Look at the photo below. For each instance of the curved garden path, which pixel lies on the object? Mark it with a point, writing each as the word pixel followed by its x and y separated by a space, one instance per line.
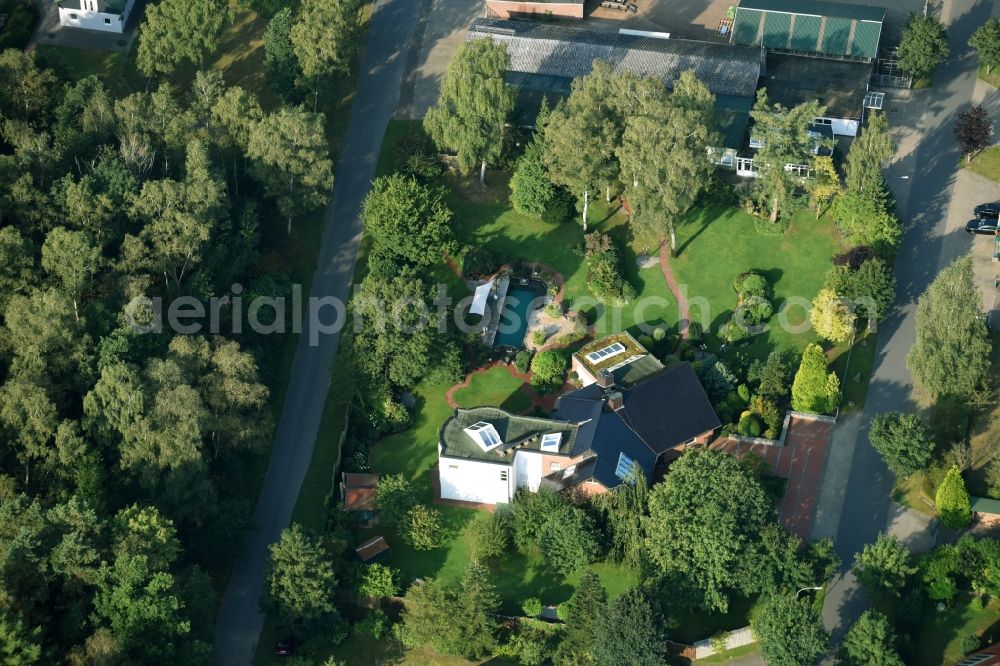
pixel 684 317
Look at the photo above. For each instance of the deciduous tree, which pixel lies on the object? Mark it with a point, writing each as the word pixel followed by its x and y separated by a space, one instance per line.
pixel 870 642
pixel 785 137
pixel 951 354
pixel 973 131
pixel 325 37
pixel 790 631
pixel 423 527
pixel 176 31
pixel 473 106
pixel 72 258
pixel 884 567
pixel 903 441
pixel 702 519
pixel 831 317
pixel 924 45
pixel 986 41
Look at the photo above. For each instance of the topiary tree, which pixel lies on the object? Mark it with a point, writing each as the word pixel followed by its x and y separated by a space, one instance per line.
pixel 813 390
pixel 903 441
pixel 831 318
pixel 924 45
pixel 952 500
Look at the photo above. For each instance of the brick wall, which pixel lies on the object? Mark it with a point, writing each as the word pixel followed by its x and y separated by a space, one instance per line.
pixel 504 9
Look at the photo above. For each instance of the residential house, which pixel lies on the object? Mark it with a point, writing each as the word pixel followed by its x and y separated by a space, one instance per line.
pixel 103 15
pixel 630 416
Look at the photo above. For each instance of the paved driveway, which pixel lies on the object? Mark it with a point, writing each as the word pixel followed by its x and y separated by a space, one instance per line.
pixel 927 157
pixel 240 620
pixel 801 461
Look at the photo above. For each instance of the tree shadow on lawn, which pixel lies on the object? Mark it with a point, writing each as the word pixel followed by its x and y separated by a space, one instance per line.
pixel 703 218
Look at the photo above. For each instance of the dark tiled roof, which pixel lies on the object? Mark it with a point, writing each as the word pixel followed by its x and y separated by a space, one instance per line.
pixel 669 409
pixel 818 8
pixel 539 48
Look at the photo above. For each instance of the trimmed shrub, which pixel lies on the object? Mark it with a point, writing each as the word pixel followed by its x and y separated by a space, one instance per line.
pixel 646 341
pixel 813 390
pixel 547 369
pixel 659 334
pixel 532 607
pixel 952 500
pixel 522 361
pixel 749 425
pixel 750 284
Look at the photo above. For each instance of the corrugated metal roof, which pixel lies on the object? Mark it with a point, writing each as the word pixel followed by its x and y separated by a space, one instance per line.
pixel 538 48
pixel 805 33
pixel 866 38
pixel 818 8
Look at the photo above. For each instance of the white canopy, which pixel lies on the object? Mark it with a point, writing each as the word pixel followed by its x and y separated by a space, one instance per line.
pixel 481 297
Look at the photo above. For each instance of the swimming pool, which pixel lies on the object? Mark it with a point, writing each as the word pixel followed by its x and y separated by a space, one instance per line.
pixel 514 318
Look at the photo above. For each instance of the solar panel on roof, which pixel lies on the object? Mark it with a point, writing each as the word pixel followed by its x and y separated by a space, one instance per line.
pixel 606 352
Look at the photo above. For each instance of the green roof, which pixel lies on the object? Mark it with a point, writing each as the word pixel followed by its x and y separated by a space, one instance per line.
pixel 986 505
pixel 516 432
pixel 817 8
pixel 810 26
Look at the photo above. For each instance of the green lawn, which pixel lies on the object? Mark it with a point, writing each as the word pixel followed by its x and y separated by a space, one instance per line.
pixel 731 655
pixel 992 78
pixel 855 371
pixel 413 453
pixel 987 163
pixel 939 640
pixel 716 244
pixel 496 387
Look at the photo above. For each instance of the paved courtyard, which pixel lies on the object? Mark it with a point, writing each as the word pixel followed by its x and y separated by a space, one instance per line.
pixel 801 461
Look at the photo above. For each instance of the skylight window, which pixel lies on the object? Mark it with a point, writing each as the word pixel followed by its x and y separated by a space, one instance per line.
pixel 485 435
pixel 601 354
pixel 624 467
pixel 551 441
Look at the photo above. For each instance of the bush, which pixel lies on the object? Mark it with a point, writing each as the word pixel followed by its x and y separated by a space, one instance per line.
pixel 646 341
pixel 547 369
pixel 417 157
pixel 522 361
pixel 749 425
pixel 423 528
pixel 813 390
pixel 750 284
pixel 768 413
pixel 605 280
pixel 532 607
pixel 490 535
pixel 479 262
pixel 538 338
pixel 743 391
pixel 659 334
pixel 20 24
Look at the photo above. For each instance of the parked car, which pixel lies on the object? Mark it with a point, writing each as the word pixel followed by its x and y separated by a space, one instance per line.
pixel 284 647
pixel 982 226
pixel 990 211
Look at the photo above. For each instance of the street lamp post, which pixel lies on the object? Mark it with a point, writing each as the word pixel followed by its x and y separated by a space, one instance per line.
pixel 814 589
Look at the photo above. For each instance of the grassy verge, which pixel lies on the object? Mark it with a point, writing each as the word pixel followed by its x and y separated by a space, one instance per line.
pixel 987 164
pixel 917 491
pixel 992 78
pixel 730 655
pixel 855 371
pixel 943 635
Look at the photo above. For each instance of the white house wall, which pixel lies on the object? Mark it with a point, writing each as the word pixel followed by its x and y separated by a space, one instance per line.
pixel 475 481
pixel 528 469
pixel 94 20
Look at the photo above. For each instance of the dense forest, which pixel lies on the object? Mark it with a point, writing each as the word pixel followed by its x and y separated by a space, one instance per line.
pixel 128 461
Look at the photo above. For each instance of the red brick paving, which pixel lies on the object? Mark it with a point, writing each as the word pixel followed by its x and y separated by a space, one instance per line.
pixel 801 460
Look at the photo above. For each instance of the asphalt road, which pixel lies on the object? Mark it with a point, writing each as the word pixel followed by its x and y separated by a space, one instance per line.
pixel 923 178
pixel 384 63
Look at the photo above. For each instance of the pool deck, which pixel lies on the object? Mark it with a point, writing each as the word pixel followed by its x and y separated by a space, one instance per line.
pixel 495 308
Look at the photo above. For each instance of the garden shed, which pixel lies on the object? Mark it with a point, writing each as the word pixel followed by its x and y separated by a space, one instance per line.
pixel 811 27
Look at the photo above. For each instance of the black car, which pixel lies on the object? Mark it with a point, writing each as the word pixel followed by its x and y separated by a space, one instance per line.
pixel 284 647
pixel 982 226
pixel 988 211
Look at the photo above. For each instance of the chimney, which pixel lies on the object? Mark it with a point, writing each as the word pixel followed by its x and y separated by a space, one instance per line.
pixel 605 379
pixel 615 401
